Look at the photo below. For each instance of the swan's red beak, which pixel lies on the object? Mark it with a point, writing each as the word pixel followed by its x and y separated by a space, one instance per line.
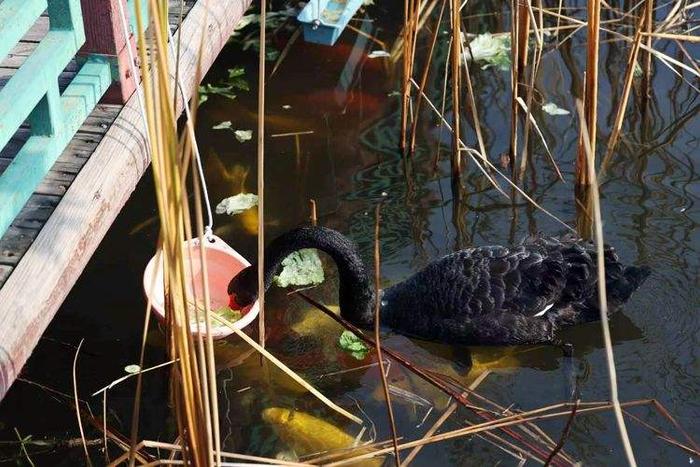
pixel 232 303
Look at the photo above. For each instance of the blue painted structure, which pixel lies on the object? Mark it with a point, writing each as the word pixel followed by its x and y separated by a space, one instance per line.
pixel 325 20
pixel 32 94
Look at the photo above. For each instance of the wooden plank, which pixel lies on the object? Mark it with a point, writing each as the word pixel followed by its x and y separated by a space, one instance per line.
pixel 78 150
pixel 93 201
pixel 38 31
pixel 5 272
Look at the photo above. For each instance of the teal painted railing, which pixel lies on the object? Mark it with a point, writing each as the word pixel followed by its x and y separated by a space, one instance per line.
pixel 32 94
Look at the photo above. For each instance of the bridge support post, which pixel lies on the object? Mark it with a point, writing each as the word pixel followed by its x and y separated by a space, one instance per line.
pixel 104 36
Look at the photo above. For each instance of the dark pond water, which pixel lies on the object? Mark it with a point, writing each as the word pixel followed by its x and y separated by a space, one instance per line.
pixel 348 101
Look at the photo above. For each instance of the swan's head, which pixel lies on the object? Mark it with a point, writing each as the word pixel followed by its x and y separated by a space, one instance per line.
pixel 243 289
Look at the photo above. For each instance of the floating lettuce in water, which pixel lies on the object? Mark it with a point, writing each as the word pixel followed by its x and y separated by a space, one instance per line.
pixel 243 135
pixel 378 54
pixel 222 126
pixel 491 50
pixel 353 345
pixel 237 204
pixel 552 109
pixel 300 269
pixel 235 81
pixel 132 369
pixel 223 312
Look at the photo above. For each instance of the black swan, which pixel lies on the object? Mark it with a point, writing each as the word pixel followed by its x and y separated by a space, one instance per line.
pixel 489 295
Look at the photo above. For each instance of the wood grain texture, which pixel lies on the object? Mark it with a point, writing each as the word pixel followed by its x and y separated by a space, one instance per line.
pixel 85 213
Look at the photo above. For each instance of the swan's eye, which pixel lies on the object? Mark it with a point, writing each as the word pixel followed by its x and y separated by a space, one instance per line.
pixel 233 302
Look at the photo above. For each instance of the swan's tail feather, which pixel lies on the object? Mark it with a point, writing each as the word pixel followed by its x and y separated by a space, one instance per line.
pixel 636 275
pixel 631 278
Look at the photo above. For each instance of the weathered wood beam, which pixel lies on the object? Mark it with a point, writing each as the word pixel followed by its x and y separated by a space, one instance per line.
pixel 42 279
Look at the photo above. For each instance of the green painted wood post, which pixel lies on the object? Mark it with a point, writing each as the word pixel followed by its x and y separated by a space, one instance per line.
pixel 32 93
pixel 16 17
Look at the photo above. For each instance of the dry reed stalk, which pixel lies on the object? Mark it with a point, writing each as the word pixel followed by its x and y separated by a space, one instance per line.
pixel 517 419
pixel 622 106
pixel 523 34
pixel 172 447
pixel 275 361
pixel 76 400
pixel 261 175
pixel 602 293
pixel 473 108
pixel 287 47
pixel 488 164
pixel 687 55
pixel 416 17
pixel 514 84
pixel 660 408
pixel 455 58
pixel 149 125
pixel 378 347
pixel 406 89
pixel 438 381
pixel 532 120
pixel 191 379
pixel 663 436
pixel 534 68
pixel 443 418
pixel 445 74
pixel 368 36
pixel 509 448
pixel 564 434
pixel 424 78
pixel 590 93
pixel 212 403
pixel 678 37
pixel 648 27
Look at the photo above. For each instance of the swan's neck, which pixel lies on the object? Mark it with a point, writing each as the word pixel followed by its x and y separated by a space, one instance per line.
pixel 356 294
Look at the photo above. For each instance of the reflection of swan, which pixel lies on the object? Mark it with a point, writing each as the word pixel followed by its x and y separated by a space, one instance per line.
pixel 480 296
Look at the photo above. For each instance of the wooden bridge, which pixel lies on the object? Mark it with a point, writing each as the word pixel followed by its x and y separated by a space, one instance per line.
pixel 72 142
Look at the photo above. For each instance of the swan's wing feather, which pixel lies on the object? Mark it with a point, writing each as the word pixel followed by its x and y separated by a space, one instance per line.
pixel 524 280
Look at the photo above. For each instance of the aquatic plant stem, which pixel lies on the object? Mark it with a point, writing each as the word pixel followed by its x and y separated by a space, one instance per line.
pixel 542 413
pixel 287 370
pixel 313 217
pixel 261 175
pixel 456 58
pixel 440 382
pixel 76 400
pixel 648 17
pixel 443 418
pixel 590 94
pixel 602 292
pixel 380 360
pixel 424 79
pixel 622 106
pixel 564 434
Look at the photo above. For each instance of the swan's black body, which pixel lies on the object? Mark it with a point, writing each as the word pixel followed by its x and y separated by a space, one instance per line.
pixel 480 296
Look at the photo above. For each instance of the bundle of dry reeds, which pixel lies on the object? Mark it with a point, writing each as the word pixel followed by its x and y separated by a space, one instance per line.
pixel 193 380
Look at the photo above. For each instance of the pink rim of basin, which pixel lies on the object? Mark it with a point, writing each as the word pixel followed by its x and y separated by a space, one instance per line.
pixel 223 263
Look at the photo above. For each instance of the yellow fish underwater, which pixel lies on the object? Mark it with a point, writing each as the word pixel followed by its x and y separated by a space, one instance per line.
pixel 306 434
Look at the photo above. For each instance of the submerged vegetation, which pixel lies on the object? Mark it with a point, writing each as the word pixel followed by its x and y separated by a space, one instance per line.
pixel 374 399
